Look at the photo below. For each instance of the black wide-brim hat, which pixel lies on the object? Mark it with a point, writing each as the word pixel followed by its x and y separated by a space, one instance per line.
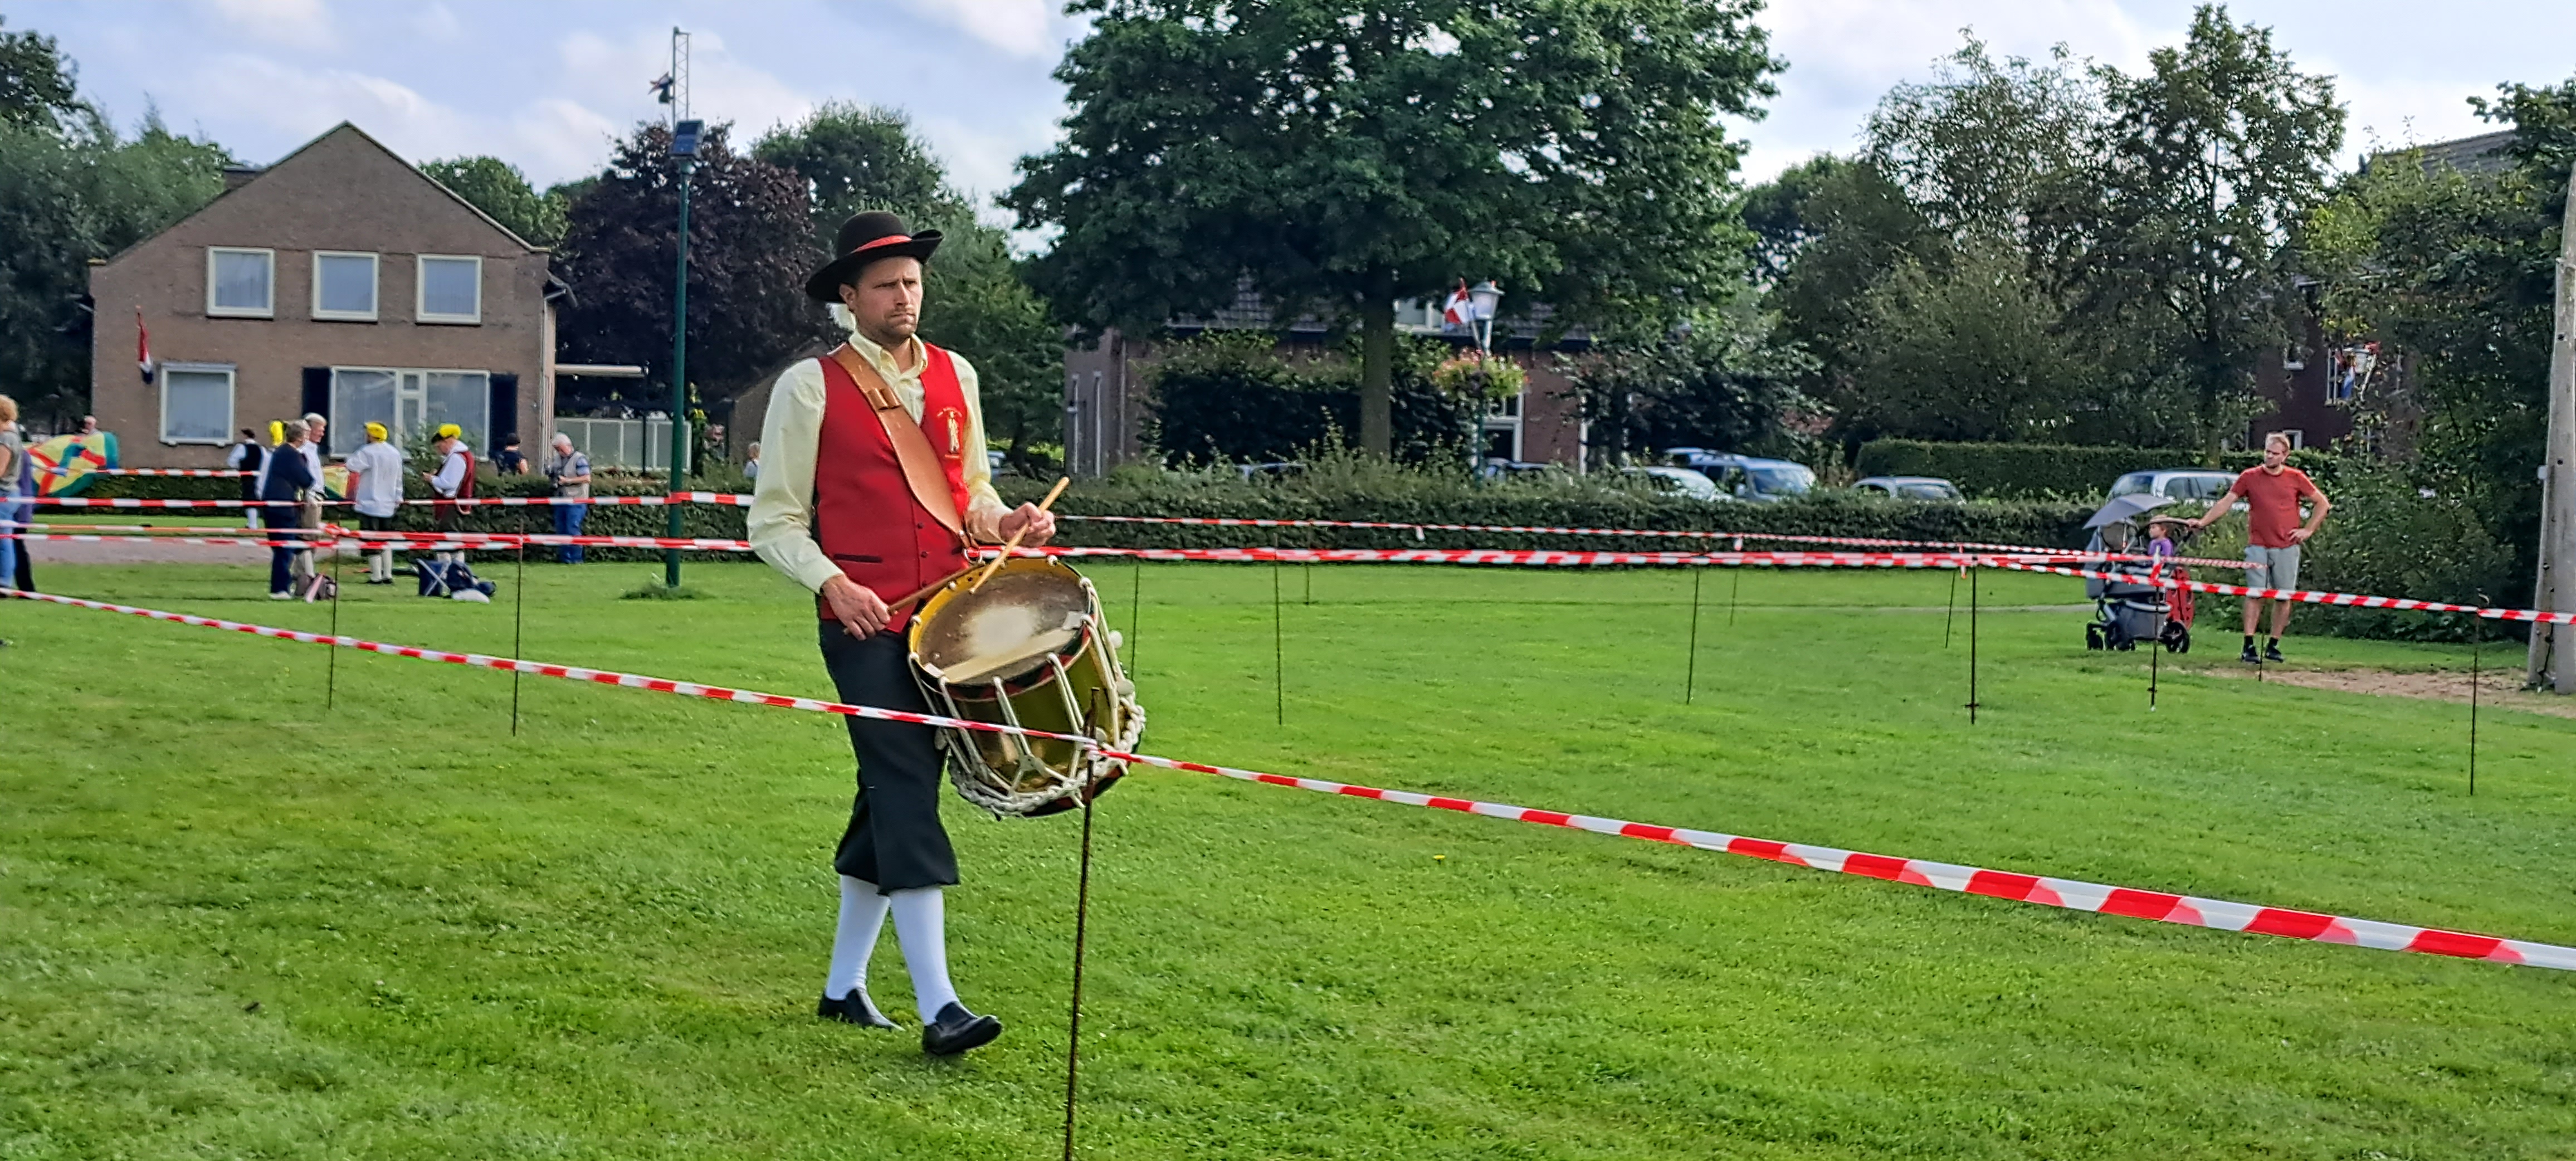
pixel 864 239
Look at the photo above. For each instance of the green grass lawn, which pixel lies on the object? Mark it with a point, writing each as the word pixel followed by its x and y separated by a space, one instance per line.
pixel 237 923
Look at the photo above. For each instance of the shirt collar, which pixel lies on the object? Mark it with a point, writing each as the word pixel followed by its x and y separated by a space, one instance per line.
pixel 884 360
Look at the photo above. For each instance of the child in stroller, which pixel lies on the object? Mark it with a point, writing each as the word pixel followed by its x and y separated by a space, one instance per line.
pixel 2131 607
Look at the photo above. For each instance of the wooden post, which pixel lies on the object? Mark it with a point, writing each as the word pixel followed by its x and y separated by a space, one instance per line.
pixel 2553 647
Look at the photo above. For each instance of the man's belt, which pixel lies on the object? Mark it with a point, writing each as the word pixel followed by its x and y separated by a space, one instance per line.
pixel 921 468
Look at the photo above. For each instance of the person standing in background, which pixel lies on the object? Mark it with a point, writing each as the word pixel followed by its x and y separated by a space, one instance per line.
pixel 309 515
pixel 2272 492
pixel 569 470
pixel 510 462
pixel 376 485
pixel 281 488
pixel 13 464
pixel 246 457
pixel 453 481
pixel 751 461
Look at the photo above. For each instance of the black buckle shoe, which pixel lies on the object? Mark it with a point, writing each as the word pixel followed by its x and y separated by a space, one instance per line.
pixel 854 1009
pixel 2250 657
pixel 2272 652
pixel 957 1030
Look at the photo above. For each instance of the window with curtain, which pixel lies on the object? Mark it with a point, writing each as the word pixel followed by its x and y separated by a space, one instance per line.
pixel 241 282
pixel 196 404
pixel 344 286
pixel 451 289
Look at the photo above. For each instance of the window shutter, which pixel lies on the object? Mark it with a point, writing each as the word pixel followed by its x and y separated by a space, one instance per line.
pixel 317 392
pixel 505 408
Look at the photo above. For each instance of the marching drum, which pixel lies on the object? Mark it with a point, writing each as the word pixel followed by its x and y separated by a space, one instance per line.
pixel 1028 649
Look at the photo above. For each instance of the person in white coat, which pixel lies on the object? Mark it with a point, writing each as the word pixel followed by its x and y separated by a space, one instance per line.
pixel 376 488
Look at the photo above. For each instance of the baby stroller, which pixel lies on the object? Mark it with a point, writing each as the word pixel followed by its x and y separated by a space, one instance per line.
pixel 2130 607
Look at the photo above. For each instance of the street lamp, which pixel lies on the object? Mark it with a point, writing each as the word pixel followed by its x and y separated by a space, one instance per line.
pixel 684 145
pixel 1482 300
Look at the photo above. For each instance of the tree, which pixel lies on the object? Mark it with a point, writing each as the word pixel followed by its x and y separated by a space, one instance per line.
pixel 72 189
pixel 497 188
pixel 1720 381
pixel 856 158
pixel 36 83
pixel 1982 145
pixel 2178 250
pixel 2457 274
pixel 748 258
pixel 1340 156
pixel 1967 351
pixel 1826 233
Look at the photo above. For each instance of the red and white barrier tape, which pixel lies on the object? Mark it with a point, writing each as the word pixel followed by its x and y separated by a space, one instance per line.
pixel 2305 596
pixel 195 473
pixel 2051 892
pixel 728 498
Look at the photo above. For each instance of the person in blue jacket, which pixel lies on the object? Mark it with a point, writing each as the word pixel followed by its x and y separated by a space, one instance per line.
pixel 288 478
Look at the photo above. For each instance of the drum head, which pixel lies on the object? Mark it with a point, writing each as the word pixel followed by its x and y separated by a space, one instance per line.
pixel 1005 629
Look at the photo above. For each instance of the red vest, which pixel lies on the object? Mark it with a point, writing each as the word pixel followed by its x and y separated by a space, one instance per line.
pixel 865 515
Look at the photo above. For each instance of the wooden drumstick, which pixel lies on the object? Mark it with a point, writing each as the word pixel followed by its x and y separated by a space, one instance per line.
pixel 1014 542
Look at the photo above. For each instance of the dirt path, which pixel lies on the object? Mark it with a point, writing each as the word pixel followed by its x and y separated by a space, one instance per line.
pixel 2499 688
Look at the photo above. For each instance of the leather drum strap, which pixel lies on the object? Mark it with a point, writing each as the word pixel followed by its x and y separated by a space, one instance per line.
pixel 911 448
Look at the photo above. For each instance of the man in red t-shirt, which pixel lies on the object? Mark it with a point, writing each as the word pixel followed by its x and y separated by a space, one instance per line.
pixel 2272 493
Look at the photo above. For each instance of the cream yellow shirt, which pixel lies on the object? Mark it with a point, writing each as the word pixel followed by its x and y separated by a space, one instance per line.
pixel 782 498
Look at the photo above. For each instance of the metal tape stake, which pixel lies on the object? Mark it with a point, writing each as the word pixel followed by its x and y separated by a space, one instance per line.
pixel 2477 633
pixel 1278 649
pixel 1073 1018
pixel 331 683
pixel 518 618
pixel 1690 671
pixel 1972 645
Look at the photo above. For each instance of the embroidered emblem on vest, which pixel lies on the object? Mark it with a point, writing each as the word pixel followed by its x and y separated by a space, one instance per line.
pixel 954 425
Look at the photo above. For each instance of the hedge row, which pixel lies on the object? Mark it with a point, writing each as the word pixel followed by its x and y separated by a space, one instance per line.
pixel 2046 469
pixel 2045 523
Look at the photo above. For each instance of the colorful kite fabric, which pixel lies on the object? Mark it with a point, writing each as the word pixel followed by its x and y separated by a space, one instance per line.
pixel 63 464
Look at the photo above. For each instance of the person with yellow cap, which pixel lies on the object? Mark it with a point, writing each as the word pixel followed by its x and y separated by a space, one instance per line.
pixel 453 481
pixel 376 490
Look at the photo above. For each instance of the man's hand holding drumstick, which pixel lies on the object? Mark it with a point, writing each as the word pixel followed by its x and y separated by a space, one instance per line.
pixel 862 612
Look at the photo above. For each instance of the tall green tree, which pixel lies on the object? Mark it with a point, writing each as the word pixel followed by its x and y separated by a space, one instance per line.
pixel 2178 252
pixel 1827 232
pixel 37 90
pixel 2456 274
pixel 748 257
pixel 1984 143
pixel 497 188
pixel 73 188
pixel 854 158
pixel 1340 156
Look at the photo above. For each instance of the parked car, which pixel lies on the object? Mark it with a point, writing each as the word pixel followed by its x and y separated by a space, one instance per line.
pixel 1681 481
pixel 1911 487
pixel 2180 484
pixel 1502 469
pixel 1745 477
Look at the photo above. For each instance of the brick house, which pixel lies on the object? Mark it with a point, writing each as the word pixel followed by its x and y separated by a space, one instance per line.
pixel 1107 393
pixel 340 280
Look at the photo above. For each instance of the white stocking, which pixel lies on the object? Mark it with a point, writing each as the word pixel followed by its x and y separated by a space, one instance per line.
pixel 920 925
pixel 863 914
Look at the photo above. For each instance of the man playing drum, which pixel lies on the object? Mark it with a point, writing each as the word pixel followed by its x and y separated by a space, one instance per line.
pixel 873 480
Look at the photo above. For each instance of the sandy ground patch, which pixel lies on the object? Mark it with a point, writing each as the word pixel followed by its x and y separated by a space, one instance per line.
pixel 2498 688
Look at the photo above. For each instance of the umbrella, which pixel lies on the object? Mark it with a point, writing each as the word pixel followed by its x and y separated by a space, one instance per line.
pixel 2127 507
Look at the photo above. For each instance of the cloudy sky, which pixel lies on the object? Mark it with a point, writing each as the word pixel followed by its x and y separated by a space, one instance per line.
pixel 545 85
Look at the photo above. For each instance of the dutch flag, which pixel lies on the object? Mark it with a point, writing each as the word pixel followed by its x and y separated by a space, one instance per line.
pixel 143 347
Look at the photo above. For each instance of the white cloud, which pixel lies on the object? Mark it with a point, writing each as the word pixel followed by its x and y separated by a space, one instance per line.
pixel 302 103
pixel 1023 28
pixel 303 24
pixel 1844 54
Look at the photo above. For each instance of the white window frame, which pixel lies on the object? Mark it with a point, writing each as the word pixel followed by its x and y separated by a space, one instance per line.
pixel 375 286
pixel 232 387
pixel 420 290
pixel 214 311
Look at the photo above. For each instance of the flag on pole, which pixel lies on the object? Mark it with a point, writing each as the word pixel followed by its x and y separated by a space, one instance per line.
pixel 143 347
pixel 1458 312
pixel 660 87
